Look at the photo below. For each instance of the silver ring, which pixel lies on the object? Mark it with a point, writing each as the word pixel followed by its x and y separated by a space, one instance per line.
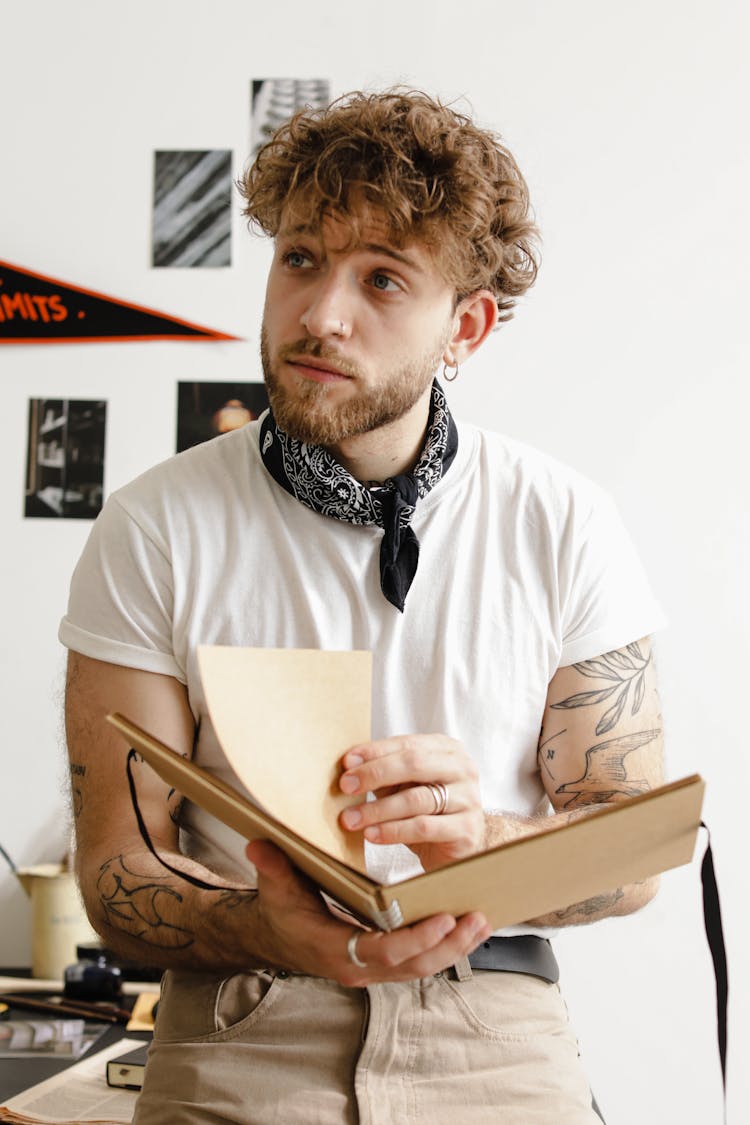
pixel 351 949
pixel 439 795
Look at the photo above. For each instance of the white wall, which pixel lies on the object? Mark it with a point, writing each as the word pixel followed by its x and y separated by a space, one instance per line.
pixel 627 361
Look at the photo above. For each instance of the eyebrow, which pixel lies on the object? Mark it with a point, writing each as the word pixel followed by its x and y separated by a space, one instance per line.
pixel 389 252
pixel 371 247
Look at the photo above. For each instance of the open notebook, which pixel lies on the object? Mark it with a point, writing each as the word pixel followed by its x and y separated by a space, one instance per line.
pixel 314 705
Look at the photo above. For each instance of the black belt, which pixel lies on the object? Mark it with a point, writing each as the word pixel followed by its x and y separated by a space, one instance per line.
pixel 526 953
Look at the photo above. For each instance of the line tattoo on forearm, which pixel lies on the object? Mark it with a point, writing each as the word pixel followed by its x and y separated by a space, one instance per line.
pixel 140 905
pixel 591 906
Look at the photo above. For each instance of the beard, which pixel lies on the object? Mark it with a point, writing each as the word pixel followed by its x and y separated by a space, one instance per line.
pixel 309 411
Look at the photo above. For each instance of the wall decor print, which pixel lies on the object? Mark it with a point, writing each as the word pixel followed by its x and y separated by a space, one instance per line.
pixel 275 100
pixel 35 309
pixel 206 410
pixel 65 458
pixel 192 208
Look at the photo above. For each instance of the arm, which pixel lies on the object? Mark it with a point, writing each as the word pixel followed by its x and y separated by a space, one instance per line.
pixel 139 908
pixel 601 740
pixel 152 916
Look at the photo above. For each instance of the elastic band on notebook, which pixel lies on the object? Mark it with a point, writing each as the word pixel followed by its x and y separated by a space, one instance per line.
pixel 715 935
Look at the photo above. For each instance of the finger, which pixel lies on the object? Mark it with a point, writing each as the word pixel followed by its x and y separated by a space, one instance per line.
pixel 278 879
pixel 267 859
pixel 381 747
pixel 423 949
pixel 415 800
pixel 462 831
pixel 411 759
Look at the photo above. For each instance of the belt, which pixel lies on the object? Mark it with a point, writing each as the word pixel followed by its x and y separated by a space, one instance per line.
pixel 526 953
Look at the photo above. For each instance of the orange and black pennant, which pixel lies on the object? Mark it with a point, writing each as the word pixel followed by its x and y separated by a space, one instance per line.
pixel 35 309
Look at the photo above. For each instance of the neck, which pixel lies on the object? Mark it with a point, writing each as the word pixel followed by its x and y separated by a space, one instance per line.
pixel 389 450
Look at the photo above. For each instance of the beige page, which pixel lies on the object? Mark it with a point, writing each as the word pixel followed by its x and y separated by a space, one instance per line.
pixel 284 717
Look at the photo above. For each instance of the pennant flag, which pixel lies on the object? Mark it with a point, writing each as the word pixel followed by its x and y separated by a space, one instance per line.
pixel 41 310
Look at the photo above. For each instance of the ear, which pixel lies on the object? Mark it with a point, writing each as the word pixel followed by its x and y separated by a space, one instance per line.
pixel 474 319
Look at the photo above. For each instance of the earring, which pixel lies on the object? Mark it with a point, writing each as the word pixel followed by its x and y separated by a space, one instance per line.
pixel 446 368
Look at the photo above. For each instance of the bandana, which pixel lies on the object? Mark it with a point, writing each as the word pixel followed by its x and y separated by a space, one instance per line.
pixel 315 478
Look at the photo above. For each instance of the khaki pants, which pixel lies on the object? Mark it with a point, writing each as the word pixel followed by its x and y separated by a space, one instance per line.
pixel 264 1048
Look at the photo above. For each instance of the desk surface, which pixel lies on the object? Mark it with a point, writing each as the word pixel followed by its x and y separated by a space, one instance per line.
pixel 19 1074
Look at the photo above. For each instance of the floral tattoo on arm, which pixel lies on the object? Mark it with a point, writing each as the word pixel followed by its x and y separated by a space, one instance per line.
pixel 623 669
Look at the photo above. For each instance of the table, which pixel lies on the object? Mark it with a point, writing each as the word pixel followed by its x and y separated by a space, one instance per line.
pixel 19 1074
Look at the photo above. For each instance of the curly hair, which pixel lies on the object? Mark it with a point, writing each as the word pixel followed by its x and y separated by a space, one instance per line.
pixel 435 176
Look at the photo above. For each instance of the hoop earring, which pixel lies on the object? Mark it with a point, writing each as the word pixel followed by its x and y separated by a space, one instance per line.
pixel 450 378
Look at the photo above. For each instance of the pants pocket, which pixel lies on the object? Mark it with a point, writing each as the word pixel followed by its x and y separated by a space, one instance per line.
pixel 513 1007
pixel 206 1007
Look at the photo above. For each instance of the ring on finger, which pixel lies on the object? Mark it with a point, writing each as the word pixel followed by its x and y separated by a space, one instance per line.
pixel 351 949
pixel 439 795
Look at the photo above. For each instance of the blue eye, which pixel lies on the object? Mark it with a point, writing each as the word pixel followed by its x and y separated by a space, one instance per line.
pixel 296 259
pixel 383 283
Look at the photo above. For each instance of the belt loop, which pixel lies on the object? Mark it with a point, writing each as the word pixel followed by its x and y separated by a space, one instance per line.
pixel 462 969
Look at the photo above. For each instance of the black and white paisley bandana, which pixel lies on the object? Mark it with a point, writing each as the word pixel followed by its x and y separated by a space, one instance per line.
pixel 315 478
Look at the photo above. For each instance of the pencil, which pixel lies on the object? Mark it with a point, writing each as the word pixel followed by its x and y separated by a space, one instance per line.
pixel 67 1008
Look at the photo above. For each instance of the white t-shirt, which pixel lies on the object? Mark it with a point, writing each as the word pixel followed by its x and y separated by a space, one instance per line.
pixel 524 567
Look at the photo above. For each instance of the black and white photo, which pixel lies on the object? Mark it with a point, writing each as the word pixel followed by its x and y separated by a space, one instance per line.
pixel 275 100
pixel 65 458
pixel 192 208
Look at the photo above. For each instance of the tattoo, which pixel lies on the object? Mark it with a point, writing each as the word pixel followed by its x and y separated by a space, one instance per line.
pixel 136 904
pixel 176 809
pixel 623 668
pixel 232 899
pixel 605 775
pixel 545 753
pixel 591 906
pixel 77 771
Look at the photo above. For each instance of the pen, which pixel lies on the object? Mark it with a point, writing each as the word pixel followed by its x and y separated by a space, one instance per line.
pixel 108 1014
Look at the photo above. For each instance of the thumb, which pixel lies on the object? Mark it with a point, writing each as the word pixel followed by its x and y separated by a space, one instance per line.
pixel 277 876
pixel 278 880
pixel 268 860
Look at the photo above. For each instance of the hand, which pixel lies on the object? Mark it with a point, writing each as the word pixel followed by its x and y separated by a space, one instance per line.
pixel 398 771
pixel 295 930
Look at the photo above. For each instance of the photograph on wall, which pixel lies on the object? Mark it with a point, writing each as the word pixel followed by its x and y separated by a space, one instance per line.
pixel 192 208
pixel 275 100
pixel 65 458
pixel 207 410
pixel 37 309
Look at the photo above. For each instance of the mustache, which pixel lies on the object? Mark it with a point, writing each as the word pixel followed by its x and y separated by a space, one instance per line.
pixel 317 350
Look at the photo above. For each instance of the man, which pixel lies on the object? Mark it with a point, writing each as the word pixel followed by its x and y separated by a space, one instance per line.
pixel 505 609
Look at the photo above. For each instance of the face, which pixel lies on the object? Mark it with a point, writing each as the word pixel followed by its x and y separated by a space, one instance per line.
pixel 352 332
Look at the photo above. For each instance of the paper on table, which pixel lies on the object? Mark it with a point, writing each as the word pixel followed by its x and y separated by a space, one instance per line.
pixel 284 717
pixel 77 1094
pixel 50 1038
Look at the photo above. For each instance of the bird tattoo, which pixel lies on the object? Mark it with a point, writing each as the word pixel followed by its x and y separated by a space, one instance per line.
pixel 605 775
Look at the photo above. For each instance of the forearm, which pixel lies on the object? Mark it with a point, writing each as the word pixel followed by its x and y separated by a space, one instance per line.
pixel 502 828
pixel 147 914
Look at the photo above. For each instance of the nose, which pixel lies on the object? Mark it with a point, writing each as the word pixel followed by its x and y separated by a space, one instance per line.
pixel 328 312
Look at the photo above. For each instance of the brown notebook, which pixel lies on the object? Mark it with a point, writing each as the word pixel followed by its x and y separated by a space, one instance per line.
pixel 623 843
